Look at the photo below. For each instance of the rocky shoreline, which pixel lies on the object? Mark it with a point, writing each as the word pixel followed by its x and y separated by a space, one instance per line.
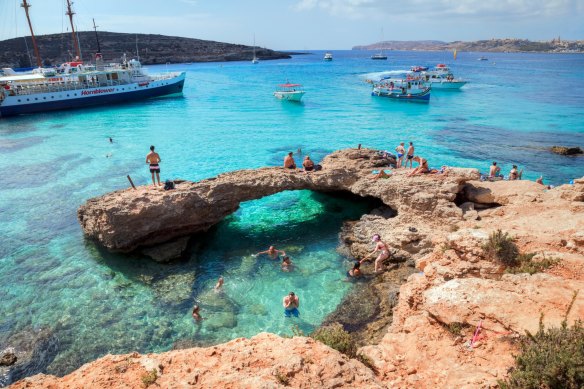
pixel 414 335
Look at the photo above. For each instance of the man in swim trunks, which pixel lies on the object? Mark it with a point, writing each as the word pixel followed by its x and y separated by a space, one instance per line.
pixel 272 252
pixel 410 156
pixel 308 164
pixel 154 159
pixel 494 170
pixel 400 150
pixel 289 161
pixel 291 302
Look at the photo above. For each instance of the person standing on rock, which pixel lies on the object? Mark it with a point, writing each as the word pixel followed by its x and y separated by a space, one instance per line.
pixel 401 151
pixel 291 302
pixel 154 159
pixel 383 252
pixel 410 156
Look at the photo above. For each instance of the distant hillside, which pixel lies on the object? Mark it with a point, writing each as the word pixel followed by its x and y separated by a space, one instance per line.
pixel 492 45
pixel 154 49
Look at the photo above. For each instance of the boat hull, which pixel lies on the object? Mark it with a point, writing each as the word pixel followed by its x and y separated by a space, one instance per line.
pixel 289 96
pixel 106 95
pixel 423 96
pixel 447 85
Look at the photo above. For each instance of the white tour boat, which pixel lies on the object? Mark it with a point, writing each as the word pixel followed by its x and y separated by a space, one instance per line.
pixel 75 84
pixel 289 92
pixel 328 57
pixel 441 78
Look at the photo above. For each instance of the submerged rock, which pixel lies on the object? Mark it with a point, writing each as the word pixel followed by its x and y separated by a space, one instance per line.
pixel 168 251
pixel 29 352
pixel 563 150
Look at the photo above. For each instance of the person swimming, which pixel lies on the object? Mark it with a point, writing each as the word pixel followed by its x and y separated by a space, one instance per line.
pixel 219 284
pixel 286 263
pixel 196 315
pixel 291 302
pixel 355 272
pixel 272 252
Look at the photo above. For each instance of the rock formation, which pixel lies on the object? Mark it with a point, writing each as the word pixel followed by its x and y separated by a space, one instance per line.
pixel 264 361
pixel 563 150
pixel 128 219
pixel 454 288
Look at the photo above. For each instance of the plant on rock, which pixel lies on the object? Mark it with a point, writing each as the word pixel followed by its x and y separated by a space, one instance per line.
pixel 501 247
pixel 552 358
pixel 336 337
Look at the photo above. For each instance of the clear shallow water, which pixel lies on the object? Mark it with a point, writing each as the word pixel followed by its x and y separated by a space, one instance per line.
pixel 515 106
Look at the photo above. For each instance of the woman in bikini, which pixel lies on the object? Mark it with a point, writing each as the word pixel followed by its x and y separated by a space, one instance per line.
pixel 423 168
pixel 400 154
pixel 383 252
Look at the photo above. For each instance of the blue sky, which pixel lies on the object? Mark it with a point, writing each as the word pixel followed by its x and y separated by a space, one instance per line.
pixel 308 24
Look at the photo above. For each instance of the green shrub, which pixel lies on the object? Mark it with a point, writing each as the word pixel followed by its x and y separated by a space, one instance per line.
pixel 501 247
pixel 336 337
pixel 552 358
pixel 526 264
pixel 149 378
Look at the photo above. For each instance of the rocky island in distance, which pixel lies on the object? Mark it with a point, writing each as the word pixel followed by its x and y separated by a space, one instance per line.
pixel 506 45
pixel 152 48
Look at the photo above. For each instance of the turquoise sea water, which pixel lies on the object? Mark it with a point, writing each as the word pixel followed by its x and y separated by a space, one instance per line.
pixel 515 106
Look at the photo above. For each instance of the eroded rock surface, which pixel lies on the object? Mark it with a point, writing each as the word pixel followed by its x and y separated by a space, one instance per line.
pixel 127 219
pixel 264 361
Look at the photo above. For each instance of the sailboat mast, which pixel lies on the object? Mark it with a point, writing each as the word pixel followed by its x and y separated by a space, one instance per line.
pixel 96 37
pixel 70 13
pixel 26 6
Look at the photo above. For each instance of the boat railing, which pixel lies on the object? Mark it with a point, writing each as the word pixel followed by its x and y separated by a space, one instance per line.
pixel 64 86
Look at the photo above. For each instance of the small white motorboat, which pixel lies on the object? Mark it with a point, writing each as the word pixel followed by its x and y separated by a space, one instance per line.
pixel 289 92
pixel 328 57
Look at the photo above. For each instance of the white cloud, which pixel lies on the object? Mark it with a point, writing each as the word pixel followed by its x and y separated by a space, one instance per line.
pixel 430 9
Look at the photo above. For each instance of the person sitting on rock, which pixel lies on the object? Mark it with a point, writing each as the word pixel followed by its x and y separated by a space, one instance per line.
pixel 291 302
pixel 423 168
pixel 383 252
pixel 289 161
pixel 514 174
pixel 272 252
pixel 308 164
pixel 381 174
pixel 539 180
pixel 494 170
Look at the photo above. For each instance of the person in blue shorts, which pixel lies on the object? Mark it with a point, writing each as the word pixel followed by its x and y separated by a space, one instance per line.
pixel 291 304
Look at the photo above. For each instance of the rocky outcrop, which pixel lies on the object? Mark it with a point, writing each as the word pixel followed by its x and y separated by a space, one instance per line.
pixel 563 150
pixel 153 49
pixel 264 361
pixel 454 287
pixel 128 219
